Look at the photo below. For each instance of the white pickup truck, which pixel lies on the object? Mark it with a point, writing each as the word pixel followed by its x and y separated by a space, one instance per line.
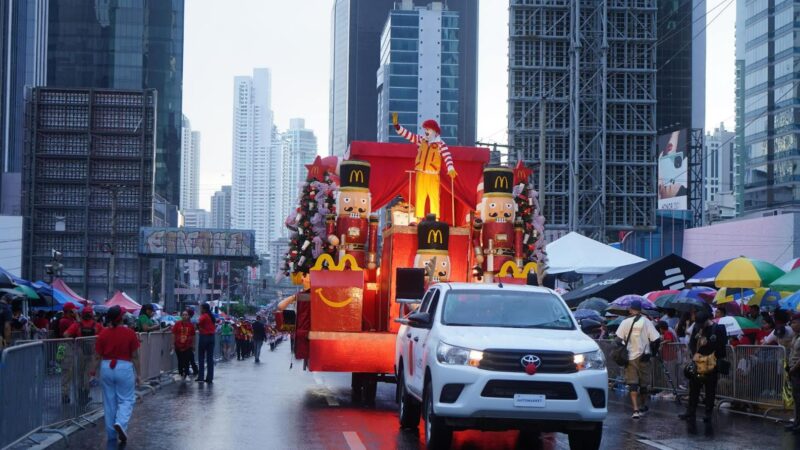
pixel 499 357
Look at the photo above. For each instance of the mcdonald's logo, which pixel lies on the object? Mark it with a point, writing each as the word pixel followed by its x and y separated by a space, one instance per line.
pixel 328 259
pixel 357 176
pixel 435 237
pixel 501 182
pixel 511 268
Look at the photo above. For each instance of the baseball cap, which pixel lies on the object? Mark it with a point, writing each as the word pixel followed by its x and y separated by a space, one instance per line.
pixel 69 307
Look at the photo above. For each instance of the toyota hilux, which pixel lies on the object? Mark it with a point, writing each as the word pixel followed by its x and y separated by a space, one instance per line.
pixel 499 357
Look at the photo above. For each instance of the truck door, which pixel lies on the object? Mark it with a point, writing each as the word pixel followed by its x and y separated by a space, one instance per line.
pixel 419 343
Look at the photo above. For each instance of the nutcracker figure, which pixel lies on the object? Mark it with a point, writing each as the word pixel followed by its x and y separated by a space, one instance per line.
pixel 353 230
pixel 497 233
pixel 432 255
pixel 431 151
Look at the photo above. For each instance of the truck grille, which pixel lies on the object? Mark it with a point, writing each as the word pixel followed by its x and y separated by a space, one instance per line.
pixel 552 390
pixel 499 360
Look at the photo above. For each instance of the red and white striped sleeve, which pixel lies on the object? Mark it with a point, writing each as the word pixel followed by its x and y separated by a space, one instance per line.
pixel 402 131
pixel 446 156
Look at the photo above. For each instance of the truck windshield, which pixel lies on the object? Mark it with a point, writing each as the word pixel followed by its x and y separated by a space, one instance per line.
pixel 507 309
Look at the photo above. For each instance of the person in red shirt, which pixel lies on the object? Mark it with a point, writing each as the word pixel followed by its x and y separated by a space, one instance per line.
pixel 117 353
pixel 82 349
pixel 205 346
pixel 184 343
pixel 238 334
pixel 41 322
pixel 67 319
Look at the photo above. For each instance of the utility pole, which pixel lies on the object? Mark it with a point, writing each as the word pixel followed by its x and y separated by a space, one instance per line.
pixel 228 286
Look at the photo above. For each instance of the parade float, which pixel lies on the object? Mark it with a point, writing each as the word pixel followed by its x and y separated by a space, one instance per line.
pixel 447 215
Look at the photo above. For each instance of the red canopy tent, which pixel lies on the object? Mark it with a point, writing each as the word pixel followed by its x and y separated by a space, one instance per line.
pixel 390 164
pixel 59 284
pixel 122 300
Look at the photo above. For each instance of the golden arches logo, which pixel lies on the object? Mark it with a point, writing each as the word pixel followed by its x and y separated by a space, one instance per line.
pixel 357 176
pixel 516 271
pixel 435 236
pixel 501 182
pixel 326 258
pixel 332 303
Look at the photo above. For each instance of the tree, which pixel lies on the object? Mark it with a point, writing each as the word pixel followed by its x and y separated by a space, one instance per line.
pixel 530 212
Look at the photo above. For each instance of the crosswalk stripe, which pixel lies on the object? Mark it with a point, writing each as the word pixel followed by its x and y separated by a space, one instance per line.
pixel 353 441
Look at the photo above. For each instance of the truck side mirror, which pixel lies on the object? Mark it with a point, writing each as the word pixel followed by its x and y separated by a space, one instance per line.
pixel 420 320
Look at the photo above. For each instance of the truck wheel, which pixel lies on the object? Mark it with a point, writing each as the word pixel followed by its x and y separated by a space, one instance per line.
pixel 357 386
pixel 530 439
pixel 370 382
pixel 409 408
pixel 586 440
pixel 438 436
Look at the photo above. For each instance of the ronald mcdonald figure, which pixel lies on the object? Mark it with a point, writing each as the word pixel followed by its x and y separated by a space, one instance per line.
pixel 432 255
pixel 353 231
pixel 497 234
pixel 431 152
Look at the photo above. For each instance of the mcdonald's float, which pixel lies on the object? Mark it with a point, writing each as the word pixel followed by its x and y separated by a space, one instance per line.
pixel 447 216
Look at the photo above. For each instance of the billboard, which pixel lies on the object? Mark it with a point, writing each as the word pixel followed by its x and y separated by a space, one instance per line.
pixel 673 170
pixel 197 243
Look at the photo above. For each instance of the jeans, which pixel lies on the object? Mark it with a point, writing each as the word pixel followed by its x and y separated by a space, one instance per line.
pixel 257 348
pixel 184 361
pixel 118 394
pixel 795 381
pixel 205 355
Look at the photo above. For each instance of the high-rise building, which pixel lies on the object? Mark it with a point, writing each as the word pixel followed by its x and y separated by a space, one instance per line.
pixel 418 75
pixel 88 185
pixel 221 208
pixel 771 92
pixel 739 90
pixel 255 194
pixel 681 63
pixel 23 62
pixel 190 166
pixel 356 55
pixel 196 218
pixel 589 69
pixel 719 176
pixel 125 44
pixel 299 149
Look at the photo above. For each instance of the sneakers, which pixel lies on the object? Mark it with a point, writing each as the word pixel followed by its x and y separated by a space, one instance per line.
pixel 636 415
pixel 643 409
pixel 121 435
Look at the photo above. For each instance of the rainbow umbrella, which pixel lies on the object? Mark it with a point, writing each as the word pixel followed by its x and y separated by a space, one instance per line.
pixel 788 282
pixel 765 297
pixel 743 273
pixel 709 274
pixel 725 295
pixel 736 325
pixel 654 295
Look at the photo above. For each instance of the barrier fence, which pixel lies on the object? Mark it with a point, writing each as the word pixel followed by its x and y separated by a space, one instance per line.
pixel 45 384
pixel 757 374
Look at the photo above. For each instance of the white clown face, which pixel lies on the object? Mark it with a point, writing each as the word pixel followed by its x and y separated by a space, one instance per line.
pixel 498 208
pixel 353 204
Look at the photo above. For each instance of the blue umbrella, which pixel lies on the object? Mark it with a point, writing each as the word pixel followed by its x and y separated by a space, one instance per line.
pixel 791 302
pixel 587 314
pixel 697 293
pixel 709 274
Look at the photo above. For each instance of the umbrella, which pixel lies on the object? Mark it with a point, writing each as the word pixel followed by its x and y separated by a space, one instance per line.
pixel 788 282
pixel 589 324
pixel 666 301
pixel 709 274
pixel 595 303
pixel 746 273
pixel 793 263
pixel 725 295
pixel 655 295
pixel 791 302
pixel 587 314
pixel 702 293
pixel 11 292
pixel 736 325
pixel 27 292
pixel 685 303
pixel 622 304
pixel 765 297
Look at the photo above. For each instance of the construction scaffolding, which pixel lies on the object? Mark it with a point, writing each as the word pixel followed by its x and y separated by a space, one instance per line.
pixel 593 64
pixel 88 187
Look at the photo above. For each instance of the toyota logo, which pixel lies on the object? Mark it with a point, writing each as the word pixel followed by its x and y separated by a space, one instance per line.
pixel 531 359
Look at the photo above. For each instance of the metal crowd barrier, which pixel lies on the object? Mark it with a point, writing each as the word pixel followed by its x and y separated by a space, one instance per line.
pixel 756 377
pixel 21 395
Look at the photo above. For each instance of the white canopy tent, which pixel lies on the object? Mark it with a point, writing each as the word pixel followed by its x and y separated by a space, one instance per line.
pixel 580 254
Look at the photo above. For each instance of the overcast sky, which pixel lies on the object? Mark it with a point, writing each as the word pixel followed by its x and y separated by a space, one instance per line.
pixel 225 39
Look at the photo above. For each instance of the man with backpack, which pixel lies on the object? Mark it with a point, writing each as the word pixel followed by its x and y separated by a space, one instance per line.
pixel 83 350
pixel 640 339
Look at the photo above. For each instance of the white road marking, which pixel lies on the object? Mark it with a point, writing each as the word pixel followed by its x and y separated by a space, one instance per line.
pixel 353 441
pixel 654 444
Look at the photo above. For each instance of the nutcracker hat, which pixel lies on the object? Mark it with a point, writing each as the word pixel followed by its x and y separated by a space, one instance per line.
pixel 498 180
pixel 432 125
pixel 432 235
pixel 354 175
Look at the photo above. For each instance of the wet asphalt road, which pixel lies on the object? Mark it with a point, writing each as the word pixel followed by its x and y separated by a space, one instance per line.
pixel 270 406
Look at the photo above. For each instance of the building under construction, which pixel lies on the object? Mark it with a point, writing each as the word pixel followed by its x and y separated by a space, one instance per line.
pixel 588 68
pixel 88 187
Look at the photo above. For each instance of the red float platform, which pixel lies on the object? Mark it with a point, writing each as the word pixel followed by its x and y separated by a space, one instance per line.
pixel 362 352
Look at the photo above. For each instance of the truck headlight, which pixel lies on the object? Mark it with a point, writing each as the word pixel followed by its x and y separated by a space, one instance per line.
pixel 590 361
pixel 450 354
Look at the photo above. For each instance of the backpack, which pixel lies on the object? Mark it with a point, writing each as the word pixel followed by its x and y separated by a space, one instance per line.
pixel 86 332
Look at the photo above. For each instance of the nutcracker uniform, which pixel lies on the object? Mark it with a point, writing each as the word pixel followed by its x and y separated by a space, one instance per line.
pixel 497 234
pixel 353 230
pixel 432 249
